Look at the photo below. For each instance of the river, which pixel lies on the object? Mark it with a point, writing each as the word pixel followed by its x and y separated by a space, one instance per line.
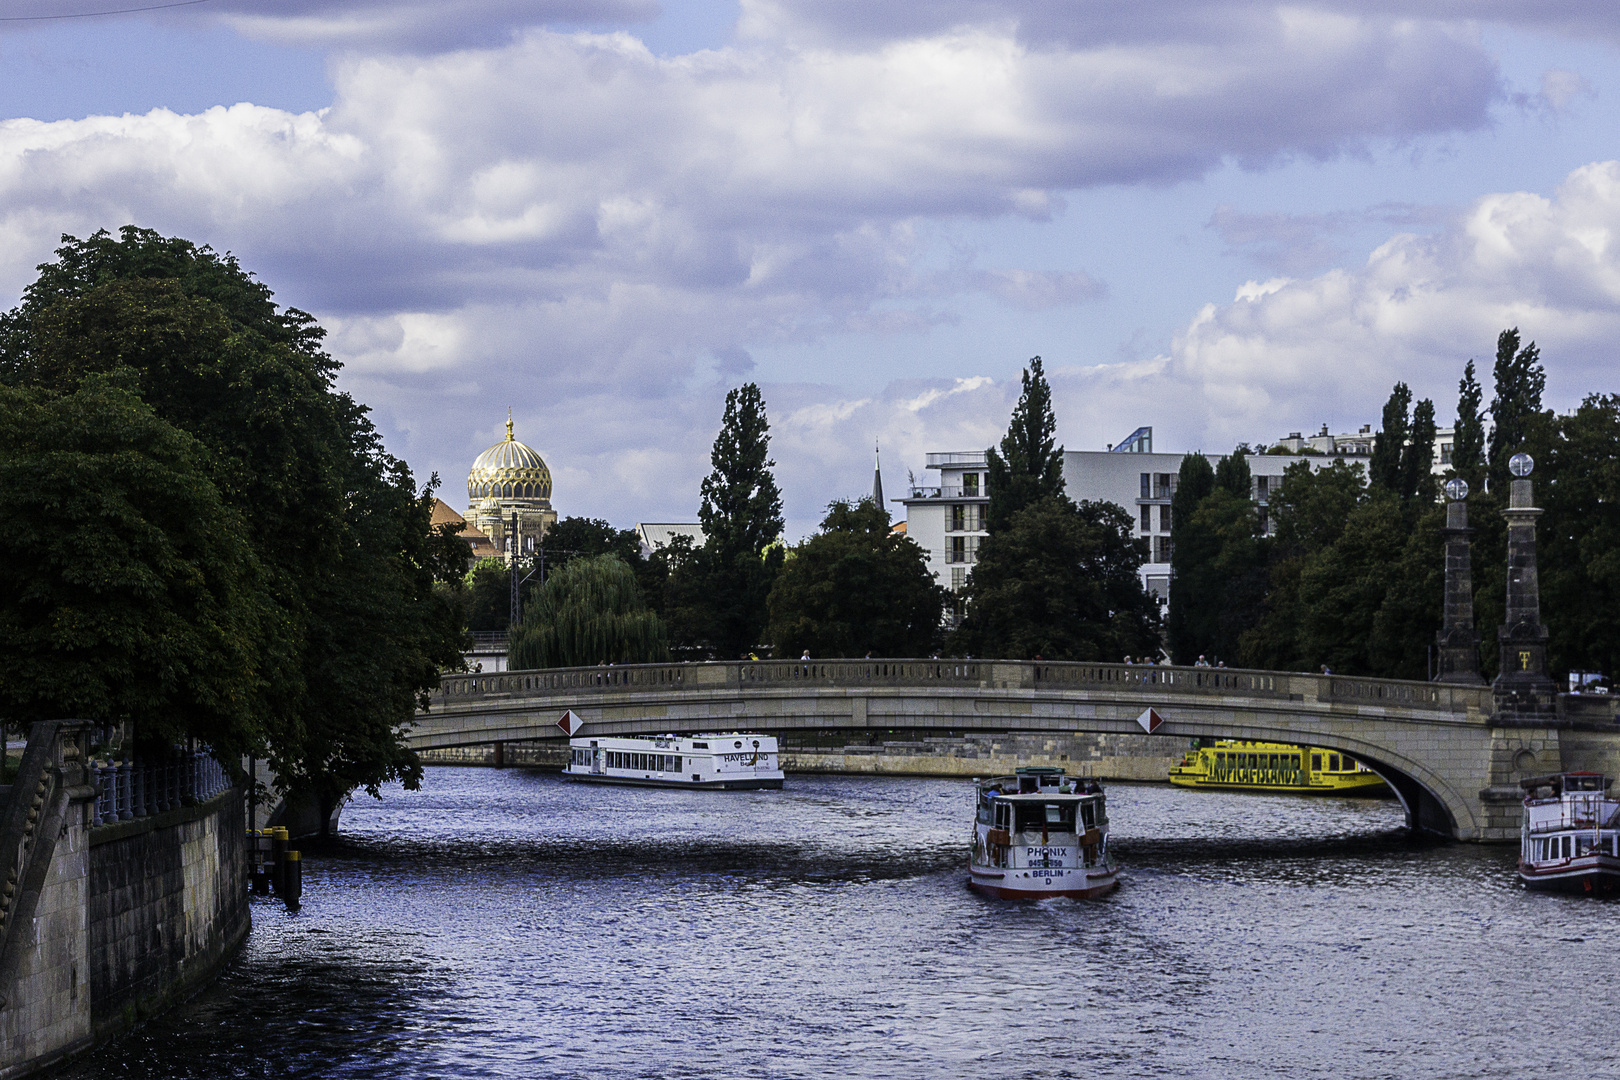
pixel 503 923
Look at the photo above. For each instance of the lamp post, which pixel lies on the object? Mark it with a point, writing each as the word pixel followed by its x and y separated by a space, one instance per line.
pixel 1458 640
pixel 1522 688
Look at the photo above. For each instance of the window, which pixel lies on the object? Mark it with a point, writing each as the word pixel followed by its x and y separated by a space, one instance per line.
pixel 958 519
pixel 970 483
pixel 1316 762
pixel 1262 485
pixel 1333 763
pixel 956 549
pixel 1445 453
pixel 958 578
pixel 1161 549
pixel 1164 519
pixel 1147 485
pixel 1147 519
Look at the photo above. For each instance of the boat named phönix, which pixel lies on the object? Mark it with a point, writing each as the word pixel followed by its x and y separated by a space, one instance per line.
pixel 1040 833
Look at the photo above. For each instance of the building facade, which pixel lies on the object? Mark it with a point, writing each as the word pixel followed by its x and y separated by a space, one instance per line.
pixel 947 520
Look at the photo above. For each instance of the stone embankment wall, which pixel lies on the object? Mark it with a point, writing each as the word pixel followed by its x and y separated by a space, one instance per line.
pixel 106 925
pixel 1104 756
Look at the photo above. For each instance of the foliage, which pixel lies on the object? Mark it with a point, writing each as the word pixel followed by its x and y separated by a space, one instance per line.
pixel 1418 490
pixel 589 612
pixel 856 589
pixel 742 508
pixel 1468 443
pixel 1519 380
pixel 1030 465
pixel 340 533
pixel 1217 560
pixel 1384 470
pixel 715 597
pixel 1060 582
pixel 127 590
pixel 489 596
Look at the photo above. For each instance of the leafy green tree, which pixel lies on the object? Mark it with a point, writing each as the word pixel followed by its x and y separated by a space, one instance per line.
pixel 1029 466
pixel 589 612
pixel 716 598
pixel 1384 470
pixel 1409 614
pixel 1310 511
pixel 489 596
pixel 1519 379
pixel 1218 560
pixel 1343 586
pixel 1193 550
pixel 1418 491
pixel 1060 582
pixel 577 537
pixel 127 589
pixel 339 530
pixel 742 507
pixel 1468 443
pixel 855 589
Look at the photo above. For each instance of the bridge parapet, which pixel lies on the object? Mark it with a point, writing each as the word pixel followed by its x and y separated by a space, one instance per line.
pixel 1463 702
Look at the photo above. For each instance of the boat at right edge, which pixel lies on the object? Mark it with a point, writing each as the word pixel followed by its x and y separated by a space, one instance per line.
pixel 1570 838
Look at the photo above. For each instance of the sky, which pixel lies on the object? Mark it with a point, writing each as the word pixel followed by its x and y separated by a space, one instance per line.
pixel 1227 219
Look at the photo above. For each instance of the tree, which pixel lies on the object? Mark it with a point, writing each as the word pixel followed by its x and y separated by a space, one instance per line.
pixel 577 537
pixel 1030 465
pixel 1384 470
pixel 1060 582
pixel 1192 551
pixel 127 591
pixel 716 598
pixel 339 530
pixel 589 612
pixel 1468 443
pixel 1417 489
pixel 489 596
pixel 742 508
pixel 1218 563
pixel 1342 587
pixel 856 589
pixel 1519 382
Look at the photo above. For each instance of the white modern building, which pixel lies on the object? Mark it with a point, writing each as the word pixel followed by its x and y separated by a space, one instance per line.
pixel 947 520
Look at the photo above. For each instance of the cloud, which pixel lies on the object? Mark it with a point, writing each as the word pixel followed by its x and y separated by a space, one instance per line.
pixel 1419 308
pixel 568 224
pixel 1307 243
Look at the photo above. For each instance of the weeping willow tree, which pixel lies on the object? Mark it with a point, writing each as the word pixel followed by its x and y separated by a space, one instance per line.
pixel 589 612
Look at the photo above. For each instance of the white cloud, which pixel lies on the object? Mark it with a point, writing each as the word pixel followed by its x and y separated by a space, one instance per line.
pixel 1420 307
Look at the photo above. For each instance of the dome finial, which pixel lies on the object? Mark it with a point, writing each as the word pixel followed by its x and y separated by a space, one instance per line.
pixel 509 437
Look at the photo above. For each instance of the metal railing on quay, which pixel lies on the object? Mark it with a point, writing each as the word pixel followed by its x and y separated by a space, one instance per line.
pixel 133 789
pixel 863 672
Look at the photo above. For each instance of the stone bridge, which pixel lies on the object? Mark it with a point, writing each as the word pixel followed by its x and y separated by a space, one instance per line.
pixel 1440 746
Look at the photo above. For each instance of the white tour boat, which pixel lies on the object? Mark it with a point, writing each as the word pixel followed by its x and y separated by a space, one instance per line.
pixel 740 759
pixel 1041 833
pixel 1570 839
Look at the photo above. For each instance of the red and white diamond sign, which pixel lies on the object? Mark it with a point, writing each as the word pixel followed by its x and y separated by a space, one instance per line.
pixel 570 723
pixel 1150 720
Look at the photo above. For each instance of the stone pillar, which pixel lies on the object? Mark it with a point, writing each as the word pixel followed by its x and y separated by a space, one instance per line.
pixel 1458 640
pixel 1523 692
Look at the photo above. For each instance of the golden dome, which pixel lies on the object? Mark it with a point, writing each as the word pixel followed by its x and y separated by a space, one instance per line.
pixel 509 470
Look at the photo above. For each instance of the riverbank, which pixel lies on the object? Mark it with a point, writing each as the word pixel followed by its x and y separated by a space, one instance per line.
pixel 1145 758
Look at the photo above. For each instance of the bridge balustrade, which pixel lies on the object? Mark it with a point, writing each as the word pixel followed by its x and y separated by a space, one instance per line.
pixel 996 674
pixel 863 672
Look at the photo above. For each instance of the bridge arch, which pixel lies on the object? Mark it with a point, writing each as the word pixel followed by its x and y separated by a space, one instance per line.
pixel 1431 742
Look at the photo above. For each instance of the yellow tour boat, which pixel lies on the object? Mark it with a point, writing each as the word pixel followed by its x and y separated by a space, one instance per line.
pixel 1232 765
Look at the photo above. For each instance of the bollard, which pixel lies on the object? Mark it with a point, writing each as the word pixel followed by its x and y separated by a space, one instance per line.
pixel 260 875
pixel 292 879
pixel 278 859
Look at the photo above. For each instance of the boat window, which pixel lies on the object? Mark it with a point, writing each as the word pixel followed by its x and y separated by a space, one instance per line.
pixel 1316 762
pixel 700 746
pixel 1349 762
pixel 1333 763
pixel 1088 814
pixel 1003 815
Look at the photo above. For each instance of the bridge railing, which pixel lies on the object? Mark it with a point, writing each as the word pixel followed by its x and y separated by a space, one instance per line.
pixel 1149 680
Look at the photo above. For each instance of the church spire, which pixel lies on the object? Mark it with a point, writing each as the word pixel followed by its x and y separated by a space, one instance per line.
pixel 877 477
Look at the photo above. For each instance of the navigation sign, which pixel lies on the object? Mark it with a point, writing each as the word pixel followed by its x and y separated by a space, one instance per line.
pixel 570 723
pixel 1150 720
